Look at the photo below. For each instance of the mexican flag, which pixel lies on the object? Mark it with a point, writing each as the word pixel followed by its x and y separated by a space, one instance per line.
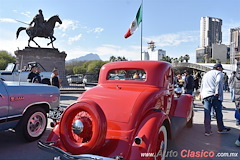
pixel 134 25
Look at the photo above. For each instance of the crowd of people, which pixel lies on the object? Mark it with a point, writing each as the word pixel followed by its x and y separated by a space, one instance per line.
pixel 211 86
pixel 34 76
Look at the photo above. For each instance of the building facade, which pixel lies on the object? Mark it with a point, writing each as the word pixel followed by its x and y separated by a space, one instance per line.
pixel 219 52
pixel 210 41
pixel 235 43
pixel 152 53
pixel 210 31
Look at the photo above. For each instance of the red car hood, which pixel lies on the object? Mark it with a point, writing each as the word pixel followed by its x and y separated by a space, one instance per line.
pixel 117 103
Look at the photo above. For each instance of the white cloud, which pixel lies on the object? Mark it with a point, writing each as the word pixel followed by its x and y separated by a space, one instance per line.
pixel 7 20
pixel 69 25
pixel 94 30
pixel 75 38
pixel 174 39
pixel 27 13
pixel 98 30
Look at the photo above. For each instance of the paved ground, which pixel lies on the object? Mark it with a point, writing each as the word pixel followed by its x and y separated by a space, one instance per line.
pixel 192 141
pixel 188 142
pixel 14 148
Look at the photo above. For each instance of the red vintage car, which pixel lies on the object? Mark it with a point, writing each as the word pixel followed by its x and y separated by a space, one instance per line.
pixel 129 115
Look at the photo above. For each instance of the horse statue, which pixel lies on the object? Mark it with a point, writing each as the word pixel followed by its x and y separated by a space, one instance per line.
pixel 46 32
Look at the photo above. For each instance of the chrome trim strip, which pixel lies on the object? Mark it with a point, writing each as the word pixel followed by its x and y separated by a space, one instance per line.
pixel 48 147
pixel 14 116
pixel 10 118
pixel 36 103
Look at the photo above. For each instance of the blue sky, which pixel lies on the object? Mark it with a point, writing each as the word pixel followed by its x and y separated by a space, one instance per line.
pixel 98 26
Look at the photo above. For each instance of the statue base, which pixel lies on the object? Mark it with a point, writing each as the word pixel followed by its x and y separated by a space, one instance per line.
pixel 49 58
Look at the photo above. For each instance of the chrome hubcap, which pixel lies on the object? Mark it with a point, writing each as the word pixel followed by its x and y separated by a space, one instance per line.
pixel 77 127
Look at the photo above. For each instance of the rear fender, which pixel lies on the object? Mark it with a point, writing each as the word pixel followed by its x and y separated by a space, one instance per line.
pixel 184 106
pixel 148 131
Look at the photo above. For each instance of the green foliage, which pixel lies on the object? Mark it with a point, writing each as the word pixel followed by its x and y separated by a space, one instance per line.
pixel 95 66
pixel 69 66
pixel 167 59
pixel 186 58
pixel 114 59
pixel 176 60
pixel 228 61
pixel 82 67
pixel 212 60
pixel 79 70
pixel 6 58
pixel 181 59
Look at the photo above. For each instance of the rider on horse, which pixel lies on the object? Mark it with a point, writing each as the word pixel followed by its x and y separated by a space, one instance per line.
pixel 39 22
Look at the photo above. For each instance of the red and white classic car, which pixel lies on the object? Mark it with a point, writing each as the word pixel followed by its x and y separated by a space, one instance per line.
pixel 130 113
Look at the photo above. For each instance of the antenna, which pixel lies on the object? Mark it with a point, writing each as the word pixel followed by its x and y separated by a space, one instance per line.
pixel 19 77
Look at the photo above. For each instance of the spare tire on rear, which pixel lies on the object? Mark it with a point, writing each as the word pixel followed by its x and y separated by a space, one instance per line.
pixel 83 127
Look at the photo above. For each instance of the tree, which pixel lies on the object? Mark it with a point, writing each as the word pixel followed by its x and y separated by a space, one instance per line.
pixel 181 59
pixel 89 67
pixel 114 59
pixel 212 60
pixel 95 66
pixel 167 59
pixel 70 66
pixel 175 60
pixel 79 70
pixel 186 58
pixel 6 58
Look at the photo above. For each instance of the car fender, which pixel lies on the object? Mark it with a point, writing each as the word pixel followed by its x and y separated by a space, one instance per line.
pixel 43 104
pixel 184 106
pixel 147 132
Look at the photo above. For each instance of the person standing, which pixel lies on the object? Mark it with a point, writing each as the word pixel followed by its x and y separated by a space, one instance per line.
pixel 237 94
pixel 225 78
pixel 32 74
pixel 54 78
pixel 189 83
pixel 197 78
pixel 212 95
pixel 231 85
pixel 37 78
pixel 237 98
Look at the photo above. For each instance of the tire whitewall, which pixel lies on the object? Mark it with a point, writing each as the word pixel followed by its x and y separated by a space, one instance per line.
pixel 33 124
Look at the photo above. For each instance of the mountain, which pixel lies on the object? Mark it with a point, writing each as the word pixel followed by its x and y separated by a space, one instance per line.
pixel 87 57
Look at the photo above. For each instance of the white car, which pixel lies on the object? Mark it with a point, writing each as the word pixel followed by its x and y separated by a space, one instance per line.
pixel 75 79
pixel 13 73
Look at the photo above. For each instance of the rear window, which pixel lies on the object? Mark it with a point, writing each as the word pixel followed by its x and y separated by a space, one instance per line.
pixel 127 74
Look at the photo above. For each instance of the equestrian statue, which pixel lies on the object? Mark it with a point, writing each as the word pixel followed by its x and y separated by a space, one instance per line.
pixel 41 28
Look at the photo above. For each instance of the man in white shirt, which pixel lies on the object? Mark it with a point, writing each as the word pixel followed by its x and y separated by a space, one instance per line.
pixel 212 95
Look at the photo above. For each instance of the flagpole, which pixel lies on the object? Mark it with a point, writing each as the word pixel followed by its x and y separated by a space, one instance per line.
pixel 141 29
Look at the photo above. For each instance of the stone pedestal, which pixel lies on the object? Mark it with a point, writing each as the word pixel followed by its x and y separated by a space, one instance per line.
pixel 49 58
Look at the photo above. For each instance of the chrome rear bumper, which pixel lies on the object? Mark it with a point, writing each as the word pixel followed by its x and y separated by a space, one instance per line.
pixel 48 147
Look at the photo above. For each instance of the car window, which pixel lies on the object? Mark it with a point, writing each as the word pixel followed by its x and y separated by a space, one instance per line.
pixel 10 67
pixel 127 74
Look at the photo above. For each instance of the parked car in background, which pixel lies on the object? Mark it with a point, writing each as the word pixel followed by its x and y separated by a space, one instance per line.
pixel 13 72
pixel 124 116
pixel 75 78
pixel 24 107
pixel 90 78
